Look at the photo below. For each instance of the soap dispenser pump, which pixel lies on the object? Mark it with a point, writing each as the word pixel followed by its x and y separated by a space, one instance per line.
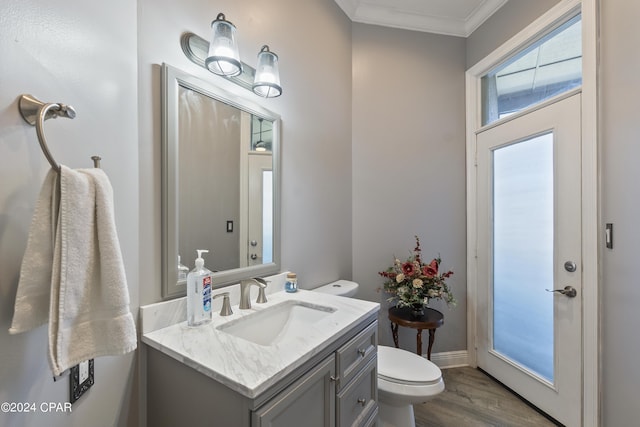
pixel 199 283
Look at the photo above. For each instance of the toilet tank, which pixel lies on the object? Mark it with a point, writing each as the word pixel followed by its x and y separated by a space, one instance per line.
pixel 344 288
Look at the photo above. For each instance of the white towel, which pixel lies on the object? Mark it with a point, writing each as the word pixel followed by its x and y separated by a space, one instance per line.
pixel 72 273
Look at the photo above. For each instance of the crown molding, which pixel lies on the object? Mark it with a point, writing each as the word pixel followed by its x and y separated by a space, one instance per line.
pixel 392 16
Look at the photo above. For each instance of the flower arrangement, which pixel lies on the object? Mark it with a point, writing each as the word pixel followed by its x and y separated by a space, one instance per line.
pixel 413 283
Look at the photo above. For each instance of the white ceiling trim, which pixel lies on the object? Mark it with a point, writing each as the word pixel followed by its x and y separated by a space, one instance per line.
pixel 390 16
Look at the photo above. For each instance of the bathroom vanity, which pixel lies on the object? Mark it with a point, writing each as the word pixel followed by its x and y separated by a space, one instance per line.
pixel 300 359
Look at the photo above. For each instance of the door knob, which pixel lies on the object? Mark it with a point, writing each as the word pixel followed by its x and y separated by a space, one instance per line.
pixel 254 257
pixel 253 243
pixel 570 266
pixel 569 291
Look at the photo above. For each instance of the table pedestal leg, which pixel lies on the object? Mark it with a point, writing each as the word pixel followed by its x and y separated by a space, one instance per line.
pixel 394 332
pixel 432 337
pixel 419 343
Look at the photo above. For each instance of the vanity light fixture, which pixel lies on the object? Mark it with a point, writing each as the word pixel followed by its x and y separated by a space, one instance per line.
pixel 267 80
pixel 223 57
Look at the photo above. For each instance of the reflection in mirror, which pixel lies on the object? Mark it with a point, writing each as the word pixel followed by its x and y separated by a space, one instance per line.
pixel 220 176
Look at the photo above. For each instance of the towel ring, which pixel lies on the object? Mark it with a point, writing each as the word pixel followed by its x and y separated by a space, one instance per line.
pixel 35 112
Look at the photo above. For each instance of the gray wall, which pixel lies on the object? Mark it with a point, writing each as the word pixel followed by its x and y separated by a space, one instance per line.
pixel 408 163
pixel 315 67
pixel 620 151
pixel 84 54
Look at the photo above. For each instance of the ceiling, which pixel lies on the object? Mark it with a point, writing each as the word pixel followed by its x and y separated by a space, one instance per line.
pixel 450 17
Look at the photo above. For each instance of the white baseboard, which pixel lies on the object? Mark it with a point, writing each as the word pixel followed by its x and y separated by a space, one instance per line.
pixel 450 359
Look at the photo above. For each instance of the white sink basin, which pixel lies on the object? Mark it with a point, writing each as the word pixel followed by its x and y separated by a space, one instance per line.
pixel 278 323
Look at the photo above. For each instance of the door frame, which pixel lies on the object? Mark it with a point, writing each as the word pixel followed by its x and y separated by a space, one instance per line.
pixel 591 410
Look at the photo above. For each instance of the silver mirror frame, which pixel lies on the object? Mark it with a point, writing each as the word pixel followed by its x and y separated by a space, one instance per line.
pixel 172 79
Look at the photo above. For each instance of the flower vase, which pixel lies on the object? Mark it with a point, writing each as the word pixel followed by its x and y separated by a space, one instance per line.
pixel 417 311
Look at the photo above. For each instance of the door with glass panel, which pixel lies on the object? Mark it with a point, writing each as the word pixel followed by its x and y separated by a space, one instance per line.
pixel 260 203
pixel 529 249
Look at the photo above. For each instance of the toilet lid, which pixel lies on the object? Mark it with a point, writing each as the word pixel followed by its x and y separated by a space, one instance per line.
pixel 339 287
pixel 403 366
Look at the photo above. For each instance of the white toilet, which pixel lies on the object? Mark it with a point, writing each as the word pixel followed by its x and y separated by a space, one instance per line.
pixel 404 378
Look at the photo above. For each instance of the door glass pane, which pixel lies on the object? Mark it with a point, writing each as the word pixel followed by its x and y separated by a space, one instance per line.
pixel 267 216
pixel 549 67
pixel 523 253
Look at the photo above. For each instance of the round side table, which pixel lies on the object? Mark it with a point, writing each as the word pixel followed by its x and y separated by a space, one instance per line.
pixel 431 320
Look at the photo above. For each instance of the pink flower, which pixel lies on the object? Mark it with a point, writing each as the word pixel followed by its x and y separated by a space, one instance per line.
pixel 408 268
pixel 430 270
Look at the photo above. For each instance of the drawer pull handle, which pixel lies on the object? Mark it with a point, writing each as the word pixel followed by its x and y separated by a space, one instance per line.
pixel 334 379
pixel 362 401
pixel 362 352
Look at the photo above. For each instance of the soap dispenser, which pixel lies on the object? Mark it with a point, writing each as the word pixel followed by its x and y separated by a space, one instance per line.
pixel 199 283
pixel 183 270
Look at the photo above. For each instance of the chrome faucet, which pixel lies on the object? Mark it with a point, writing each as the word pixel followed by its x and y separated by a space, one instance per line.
pixel 245 294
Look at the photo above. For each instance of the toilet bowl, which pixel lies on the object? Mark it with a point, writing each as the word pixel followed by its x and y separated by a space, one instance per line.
pixel 404 378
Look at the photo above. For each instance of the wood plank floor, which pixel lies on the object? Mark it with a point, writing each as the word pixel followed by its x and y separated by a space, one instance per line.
pixel 471 398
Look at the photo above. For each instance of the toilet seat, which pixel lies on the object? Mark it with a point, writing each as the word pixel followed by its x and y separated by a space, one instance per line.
pixel 406 378
pixel 403 367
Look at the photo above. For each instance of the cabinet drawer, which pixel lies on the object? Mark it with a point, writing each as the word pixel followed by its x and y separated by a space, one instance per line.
pixel 359 399
pixel 352 356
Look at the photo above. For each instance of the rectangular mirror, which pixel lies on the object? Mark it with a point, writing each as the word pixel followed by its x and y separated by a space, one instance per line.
pixel 220 183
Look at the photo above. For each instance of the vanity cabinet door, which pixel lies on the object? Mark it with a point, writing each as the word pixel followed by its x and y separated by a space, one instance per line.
pixel 309 402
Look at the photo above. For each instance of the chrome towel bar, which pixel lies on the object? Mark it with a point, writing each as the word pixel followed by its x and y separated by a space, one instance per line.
pixel 35 112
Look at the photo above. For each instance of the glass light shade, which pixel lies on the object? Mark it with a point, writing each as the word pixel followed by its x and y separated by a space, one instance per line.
pixel 223 57
pixel 267 80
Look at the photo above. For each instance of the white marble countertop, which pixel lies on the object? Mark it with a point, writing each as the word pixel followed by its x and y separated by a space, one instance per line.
pixel 250 368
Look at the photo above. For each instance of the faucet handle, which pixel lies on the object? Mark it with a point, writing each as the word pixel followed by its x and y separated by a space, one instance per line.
pixel 262 298
pixel 262 284
pixel 226 305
